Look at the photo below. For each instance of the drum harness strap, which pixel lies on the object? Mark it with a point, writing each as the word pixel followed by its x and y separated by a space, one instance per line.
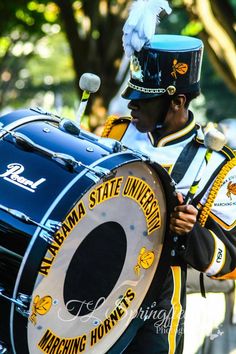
pixel 184 160
pixel 180 168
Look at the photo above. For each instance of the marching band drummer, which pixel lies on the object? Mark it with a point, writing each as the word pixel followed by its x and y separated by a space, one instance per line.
pixel 164 79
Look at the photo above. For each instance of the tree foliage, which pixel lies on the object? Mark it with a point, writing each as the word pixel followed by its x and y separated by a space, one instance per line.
pixel 214 22
pixel 47 45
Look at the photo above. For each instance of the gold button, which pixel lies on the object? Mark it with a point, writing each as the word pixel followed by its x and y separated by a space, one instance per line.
pixel 171 90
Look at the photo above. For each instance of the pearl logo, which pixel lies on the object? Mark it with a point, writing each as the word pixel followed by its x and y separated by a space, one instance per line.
pixel 13 174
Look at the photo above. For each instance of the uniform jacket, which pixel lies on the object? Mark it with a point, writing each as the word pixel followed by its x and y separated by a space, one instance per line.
pixel 211 246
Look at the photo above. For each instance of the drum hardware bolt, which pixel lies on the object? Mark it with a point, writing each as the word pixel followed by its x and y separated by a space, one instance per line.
pixel 22 311
pixel 46 237
pixel 40 110
pixel 89 149
pixel 175 239
pixel 173 253
pixel 72 162
pixel 16 301
pixel 25 299
pixel 110 175
pixel 143 157
pixel 3 348
pixel 52 227
pixel 46 130
pixel 70 127
pixel 24 218
pixel 24 303
pixel 101 172
pixel 118 147
pixel 93 177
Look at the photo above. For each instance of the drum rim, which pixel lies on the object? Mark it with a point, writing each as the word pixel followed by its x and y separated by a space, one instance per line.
pixel 25 120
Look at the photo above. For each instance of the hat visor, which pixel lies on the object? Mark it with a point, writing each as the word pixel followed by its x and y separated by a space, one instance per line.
pixel 131 94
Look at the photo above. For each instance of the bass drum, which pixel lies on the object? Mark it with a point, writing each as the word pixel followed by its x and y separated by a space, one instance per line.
pixel 81 234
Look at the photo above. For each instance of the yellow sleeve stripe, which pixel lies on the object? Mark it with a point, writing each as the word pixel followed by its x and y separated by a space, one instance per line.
pixel 231 275
pixel 219 257
pixel 176 309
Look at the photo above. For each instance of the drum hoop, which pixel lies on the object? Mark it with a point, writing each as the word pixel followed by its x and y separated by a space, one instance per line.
pixel 45 217
pixel 25 120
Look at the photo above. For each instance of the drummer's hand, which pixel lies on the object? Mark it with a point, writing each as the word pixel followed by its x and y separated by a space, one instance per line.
pixel 183 218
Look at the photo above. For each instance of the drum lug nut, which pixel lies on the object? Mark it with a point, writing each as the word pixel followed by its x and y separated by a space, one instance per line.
pixel 173 253
pixel 53 226
pixel 22 302
pixel 46 130
pixel 3 348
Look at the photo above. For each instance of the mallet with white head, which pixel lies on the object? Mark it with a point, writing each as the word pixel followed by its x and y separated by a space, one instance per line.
pixel 89 83
pixel 214 140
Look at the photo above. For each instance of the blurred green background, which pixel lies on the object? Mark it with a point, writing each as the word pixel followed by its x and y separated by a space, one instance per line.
pixel 45 46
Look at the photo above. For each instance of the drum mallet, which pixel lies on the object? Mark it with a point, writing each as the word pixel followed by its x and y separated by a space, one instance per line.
pixel 214 140
pixel 89 83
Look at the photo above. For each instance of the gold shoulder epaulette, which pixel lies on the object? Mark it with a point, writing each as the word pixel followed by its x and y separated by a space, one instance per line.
pixel 115 127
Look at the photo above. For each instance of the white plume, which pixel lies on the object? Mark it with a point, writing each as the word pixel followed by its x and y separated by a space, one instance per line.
pixel 141 24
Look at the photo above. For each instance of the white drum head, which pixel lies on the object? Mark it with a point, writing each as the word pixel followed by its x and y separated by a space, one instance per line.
pixel 95 275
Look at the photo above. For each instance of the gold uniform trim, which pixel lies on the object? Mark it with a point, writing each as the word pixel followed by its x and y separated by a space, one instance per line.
pixel 176 308
pixel 216 264
pixel 177 135
pixel 214 190
pixel 221 222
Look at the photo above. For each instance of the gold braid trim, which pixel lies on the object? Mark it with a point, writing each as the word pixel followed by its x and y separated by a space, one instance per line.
pixel 214 190
pixel 108 125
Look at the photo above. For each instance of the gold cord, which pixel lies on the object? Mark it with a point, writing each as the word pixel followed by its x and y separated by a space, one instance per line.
pixel 108 125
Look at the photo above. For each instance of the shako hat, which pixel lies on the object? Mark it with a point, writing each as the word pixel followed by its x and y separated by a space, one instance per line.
pixel 165 64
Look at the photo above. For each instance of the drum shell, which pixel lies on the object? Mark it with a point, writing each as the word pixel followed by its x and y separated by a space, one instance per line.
pixel 56 197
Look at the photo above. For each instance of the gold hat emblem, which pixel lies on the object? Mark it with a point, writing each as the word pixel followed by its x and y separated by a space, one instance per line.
pixel 135 69
pixel 145 260
pixel 180 68
pixel 231 189
pixel 40 307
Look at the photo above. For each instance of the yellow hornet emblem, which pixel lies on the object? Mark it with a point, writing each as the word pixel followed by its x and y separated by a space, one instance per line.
pixel 145 260
pixel 40 307
pixel 180 68
pixel 231 189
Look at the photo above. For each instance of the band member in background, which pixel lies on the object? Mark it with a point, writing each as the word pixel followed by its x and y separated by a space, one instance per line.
pixel 164 79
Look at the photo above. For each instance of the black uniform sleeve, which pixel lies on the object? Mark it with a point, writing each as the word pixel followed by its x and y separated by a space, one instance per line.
pixel 210 249
pixel 211 246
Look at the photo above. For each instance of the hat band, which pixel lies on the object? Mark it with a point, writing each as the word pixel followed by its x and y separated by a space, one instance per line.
pixel 146 90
